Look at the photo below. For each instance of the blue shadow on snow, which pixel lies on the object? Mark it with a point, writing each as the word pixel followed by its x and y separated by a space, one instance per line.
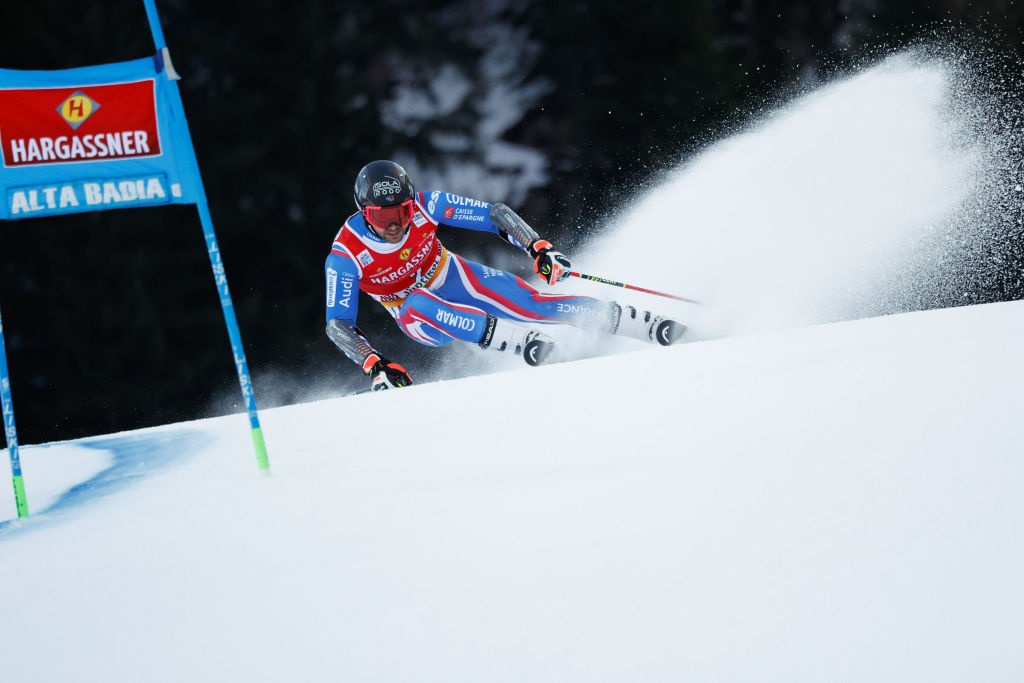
pixel 135 456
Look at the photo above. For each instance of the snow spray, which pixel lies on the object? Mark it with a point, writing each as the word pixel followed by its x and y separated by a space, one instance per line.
pixel 854 200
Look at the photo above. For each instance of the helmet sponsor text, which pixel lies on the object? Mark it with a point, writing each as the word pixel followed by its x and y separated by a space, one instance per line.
pixel 386 188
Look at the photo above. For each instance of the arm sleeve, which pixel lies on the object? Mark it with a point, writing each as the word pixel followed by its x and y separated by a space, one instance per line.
pixel 352 342
pixel 342 277
pixel 473 214
pixel 512 227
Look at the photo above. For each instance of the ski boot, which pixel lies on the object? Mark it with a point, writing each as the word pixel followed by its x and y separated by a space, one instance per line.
pixel 645 326
pixel 505 335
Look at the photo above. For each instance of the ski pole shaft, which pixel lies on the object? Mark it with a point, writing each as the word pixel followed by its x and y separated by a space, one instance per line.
pixel 594 278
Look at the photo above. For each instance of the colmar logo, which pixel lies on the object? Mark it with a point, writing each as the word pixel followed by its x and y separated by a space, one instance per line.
pixel 455 320
pixel 457 200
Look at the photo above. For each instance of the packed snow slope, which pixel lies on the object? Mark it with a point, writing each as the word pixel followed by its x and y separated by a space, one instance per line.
pixel 779 500
pixel 839 502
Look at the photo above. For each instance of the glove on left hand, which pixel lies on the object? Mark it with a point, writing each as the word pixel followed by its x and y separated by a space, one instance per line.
pixel 552 266
pixel 386 374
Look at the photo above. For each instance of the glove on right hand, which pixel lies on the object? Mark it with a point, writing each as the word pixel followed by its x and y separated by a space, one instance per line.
pixel 552 266
pixel 386 374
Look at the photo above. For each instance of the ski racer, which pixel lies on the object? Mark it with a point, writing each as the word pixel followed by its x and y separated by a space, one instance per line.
pixel 389 249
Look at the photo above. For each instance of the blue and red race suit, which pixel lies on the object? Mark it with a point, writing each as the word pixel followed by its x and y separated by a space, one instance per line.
pixel 435 295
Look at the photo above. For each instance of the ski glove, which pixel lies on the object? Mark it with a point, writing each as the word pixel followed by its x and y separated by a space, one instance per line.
pixel 385 373
pixel 552 266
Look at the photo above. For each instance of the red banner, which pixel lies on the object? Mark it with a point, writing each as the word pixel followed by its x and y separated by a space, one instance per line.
pixel 88 123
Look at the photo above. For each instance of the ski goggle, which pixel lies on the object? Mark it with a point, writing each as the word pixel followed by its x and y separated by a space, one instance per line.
pixel 381 217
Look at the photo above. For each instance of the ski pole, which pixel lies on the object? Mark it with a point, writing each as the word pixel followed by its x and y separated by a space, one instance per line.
pixel 594 278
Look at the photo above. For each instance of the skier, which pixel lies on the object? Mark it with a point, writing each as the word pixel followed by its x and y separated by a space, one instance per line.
pixel 389 249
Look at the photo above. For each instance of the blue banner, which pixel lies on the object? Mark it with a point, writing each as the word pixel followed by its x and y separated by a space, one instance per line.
pixel 104 137
pixel 93 138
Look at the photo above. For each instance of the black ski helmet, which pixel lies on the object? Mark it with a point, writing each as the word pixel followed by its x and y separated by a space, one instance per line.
pixel 382 183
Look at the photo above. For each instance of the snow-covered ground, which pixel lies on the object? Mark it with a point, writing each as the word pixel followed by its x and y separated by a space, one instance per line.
pixel 783 501
pixel 839 502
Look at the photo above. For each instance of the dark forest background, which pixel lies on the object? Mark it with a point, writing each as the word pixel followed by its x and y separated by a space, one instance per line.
pixel 112 320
